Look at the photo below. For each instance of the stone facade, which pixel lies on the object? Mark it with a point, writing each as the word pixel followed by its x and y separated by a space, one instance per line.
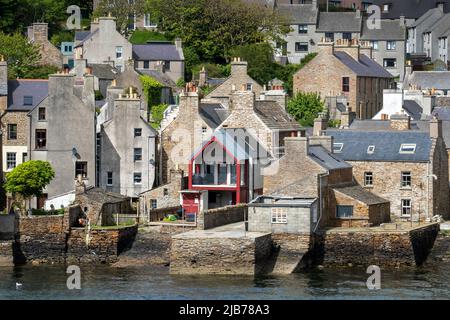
pixel 238 79
pixel 19 145
pixel 381 248
pixel 50 55
pixel 166 196
pixel 325 73
pixel 219 255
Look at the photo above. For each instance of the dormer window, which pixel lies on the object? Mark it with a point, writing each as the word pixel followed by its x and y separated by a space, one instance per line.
pixel 337 147
pixel 387 7
pixel 27 100
pixel 371 149
pixel 407 149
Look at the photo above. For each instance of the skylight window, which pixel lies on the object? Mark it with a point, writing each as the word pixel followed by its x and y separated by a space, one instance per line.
pixel 337 147
pixel 408 148
pixel 371 149
pixel 27 100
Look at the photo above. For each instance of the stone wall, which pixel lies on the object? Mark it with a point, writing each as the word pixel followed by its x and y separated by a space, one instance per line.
pixel 103 245
pixel 222 216
pixel 382 248
pixel 41 239
pixel 220 255
pixel 6 253
pixel 7 226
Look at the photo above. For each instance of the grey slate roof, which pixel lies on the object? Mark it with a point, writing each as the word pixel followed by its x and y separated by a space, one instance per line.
pixel 81 35
pixel 299 13
pixel 412 9
pixel 364 67
pixel 387 145
pixel 430 79
pixel 442 113
pixel 339 22
pixel 359 193
pixel 326 159
pixel 90 35
pixel 441 25
pixel 161 78
pixel 413 109
pixel 104 71
pixel 213 114
pixel 274 116
pixel 18 89
pixel 156 52
pixel 390 30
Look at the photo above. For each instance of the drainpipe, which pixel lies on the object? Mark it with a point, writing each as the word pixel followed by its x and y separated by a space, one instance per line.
pixel 429 175
pixel 320 199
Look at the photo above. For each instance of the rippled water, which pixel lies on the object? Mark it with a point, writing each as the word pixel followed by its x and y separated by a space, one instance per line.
pixel 49 282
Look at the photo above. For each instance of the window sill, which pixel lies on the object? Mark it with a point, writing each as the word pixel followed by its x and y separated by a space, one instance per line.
pixel 40 150
pixel 368 187
pixel 406 188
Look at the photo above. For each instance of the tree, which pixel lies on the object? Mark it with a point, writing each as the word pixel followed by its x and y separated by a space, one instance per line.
pixel 21 55
pixel 122 10
pixel 214 27
pixel 305 107
pixel 29 179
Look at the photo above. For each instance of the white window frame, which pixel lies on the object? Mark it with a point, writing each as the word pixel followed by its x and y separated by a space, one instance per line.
pixel 366 175
pixel 407 207
pixel 407 146
pixel 119 52
pixel 404 182
pixel 148 21
pixel 371 149
pixel 11 163
pixel 339 146
pixel 134 178
pixel 391 45
pixel 278 215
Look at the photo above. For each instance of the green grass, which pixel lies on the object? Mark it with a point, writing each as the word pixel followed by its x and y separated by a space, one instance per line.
pixel 143 36
pixel 41 212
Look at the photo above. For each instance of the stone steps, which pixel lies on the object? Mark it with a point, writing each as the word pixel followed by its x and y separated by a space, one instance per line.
pixel 287 262
pixel 169 118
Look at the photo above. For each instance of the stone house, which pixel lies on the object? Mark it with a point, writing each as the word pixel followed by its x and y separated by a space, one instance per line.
pixel 346 69
pixel 237 79
pixel 396 9
pixel 302 38
pixel 19 97
pixel 163 57
pixel 420 27
pixel 407 167
pixel 50 55
pixel 309 170
pixel 436 81
pixel 101 206
pixel 62 132
pixel 335 26
pixel 388 44
pixel 166 195
pixel 127 148
pixel 103 44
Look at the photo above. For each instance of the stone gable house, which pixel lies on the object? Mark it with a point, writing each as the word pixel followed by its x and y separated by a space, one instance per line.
pixel 309 171
pixel 62 132
pixel 127 147
pixel 50 55
pixel 407 167
pixel 103 44
pixel 346 70
pixel 16 100
pixel 164 57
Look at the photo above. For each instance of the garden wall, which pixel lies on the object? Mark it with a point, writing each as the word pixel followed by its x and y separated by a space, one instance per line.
pixel 222 216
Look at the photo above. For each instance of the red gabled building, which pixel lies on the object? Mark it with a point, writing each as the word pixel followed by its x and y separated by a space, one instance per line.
pixel 225 170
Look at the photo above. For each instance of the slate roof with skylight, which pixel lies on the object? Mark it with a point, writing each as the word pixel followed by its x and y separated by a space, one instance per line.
pixel 404 146
pixel 24 95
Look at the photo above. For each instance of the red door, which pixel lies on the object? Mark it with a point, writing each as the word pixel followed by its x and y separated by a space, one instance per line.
pixel 191 202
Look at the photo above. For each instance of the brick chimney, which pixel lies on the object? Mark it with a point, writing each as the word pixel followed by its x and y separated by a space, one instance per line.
pixel 435 128
pixel 319 137
pixel 178 43
pixel 429 103
pixel 94 25
pixel 238 67
pixel 107 26
pixel 38 32
pixel 400 122
pixel 189 102
pixel 326 46
pixel 347 118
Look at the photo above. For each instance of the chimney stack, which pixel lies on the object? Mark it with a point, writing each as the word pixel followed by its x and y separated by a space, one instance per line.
pixel 38 32
pixel 3 76
pixel 435 128
pixel 202 78
pixel 400 122
pixel 238 67
pixel 178 43
pixel 352 47
pixel 296 147
pixel 320 125
pixel 243 100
